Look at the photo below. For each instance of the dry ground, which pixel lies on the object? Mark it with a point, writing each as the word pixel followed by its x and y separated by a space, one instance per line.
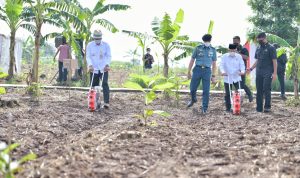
pixel 71 142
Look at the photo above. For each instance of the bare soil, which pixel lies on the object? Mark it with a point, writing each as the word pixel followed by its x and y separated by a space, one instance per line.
pixel 72 142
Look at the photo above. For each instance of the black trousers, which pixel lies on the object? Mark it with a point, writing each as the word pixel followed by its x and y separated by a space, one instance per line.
pixel 227 94
pixel 62 73
pixel 263 89
pixel 96 82
pixel 281 76
pixel 245 87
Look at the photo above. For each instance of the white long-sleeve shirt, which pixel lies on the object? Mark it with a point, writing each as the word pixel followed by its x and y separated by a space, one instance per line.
pixel 98 56
pixel 232 66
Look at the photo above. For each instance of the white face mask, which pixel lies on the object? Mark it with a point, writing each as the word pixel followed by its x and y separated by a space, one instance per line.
pixel 207 44
pixel 232 54
pixel 97 42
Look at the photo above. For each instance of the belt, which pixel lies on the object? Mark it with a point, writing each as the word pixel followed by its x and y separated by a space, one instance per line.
pixel 202 67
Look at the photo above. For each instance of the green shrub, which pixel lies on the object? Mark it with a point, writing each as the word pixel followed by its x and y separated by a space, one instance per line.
pixel 289 86
pixel 2 91
pixel 35 90
pixel 293 102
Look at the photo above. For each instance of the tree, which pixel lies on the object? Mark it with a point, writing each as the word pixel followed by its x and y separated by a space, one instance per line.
pixel 133 56
pixel 13 15
pixel 85 18
pixel 41 12
pixel 142 41
pixel 167 35
pixel 28 48
pixel 277 17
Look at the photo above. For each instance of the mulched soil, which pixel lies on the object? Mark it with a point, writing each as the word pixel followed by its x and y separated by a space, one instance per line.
pixel 72 142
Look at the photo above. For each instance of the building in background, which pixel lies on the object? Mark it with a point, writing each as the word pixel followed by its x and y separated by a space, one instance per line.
pixel 4 53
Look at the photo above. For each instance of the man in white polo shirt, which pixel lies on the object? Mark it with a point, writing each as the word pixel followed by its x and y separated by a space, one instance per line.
pixel 98 58
pixel 232 68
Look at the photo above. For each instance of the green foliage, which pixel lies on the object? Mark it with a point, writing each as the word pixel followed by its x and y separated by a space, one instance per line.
pixel 210 27
pixel 293 102
pixel 277 17
pixel 167 35
pixel 2 91
pixel 176 83
pixel 28 48
pixel 116 65
pixel 289 86
pixel 35 90
pixel 189 46
pixel 3 75
pixel 9 167
pixel 149 94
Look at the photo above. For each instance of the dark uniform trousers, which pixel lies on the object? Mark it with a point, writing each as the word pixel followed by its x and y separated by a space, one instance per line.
pixel 263 89
pixel 227 94
pixel 96 82
pixel 281 74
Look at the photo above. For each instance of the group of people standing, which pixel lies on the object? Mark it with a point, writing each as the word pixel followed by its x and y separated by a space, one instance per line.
pixel 233 67
pixel 202 67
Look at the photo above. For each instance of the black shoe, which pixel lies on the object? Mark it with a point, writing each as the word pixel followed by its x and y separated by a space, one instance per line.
pixel 106 105
pixel 191 103
pixel 258 110
pixel 228 110
pixel 250 98
pixel 283 97
pixel 267 110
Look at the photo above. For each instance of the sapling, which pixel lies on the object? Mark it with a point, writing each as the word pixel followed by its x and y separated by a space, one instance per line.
pixel 149 97
pixel 9 167
pixel 172 87
pixel 35 90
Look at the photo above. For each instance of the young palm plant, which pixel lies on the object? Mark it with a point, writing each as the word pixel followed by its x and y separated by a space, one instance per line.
pixel 147 86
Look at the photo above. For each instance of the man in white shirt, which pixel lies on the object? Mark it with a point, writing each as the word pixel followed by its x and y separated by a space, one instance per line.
pixel 98 58
pixel 232 68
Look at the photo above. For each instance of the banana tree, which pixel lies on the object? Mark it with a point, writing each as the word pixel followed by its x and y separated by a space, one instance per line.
pixel 166 32
pixel 13 15
pixel 142 41
pixel 188 46
pixel 85 18
pixel 42 12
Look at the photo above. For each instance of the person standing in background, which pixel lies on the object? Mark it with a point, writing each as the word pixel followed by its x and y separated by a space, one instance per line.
pixel 266 72
pixel 281 61
pixel 245 55
pixel 64 51
pixel 148 59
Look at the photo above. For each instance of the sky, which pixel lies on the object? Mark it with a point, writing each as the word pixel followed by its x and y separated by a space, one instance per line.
pixel 229 16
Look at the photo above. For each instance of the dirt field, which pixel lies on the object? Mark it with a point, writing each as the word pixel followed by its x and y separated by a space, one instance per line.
pixel 71 142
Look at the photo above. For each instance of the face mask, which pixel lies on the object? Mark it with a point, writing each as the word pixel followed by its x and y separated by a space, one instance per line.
pixel 207 44
pixel 232 54
pixel 261 42
pixel 97 42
